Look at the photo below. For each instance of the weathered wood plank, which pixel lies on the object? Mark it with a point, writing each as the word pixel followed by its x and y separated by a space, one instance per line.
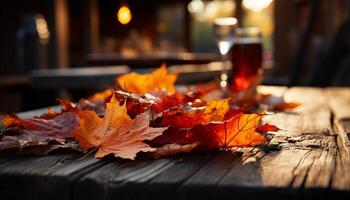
pixel 140 179
pixel 23 173
pixel 339 99
pixel 311 117
pixel 201 185
pixel 282 169
pixel 277 91
pixel 164 186
pixel 114 180
pixel 55 172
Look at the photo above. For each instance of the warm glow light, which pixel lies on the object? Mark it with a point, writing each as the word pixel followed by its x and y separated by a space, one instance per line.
pixel 42 29
pixel 212 9
pixel 124 15
pixel 195 6
pixel 225 21
pixel 209 10
pixel 256 5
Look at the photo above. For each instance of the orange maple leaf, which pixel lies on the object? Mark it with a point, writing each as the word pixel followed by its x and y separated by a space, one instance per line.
pixel 101 96
pixel 144 83
pixel 116 132
pixel 240 130
pixel 10 120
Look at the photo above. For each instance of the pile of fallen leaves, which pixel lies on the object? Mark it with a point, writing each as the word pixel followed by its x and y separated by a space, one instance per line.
pixel 143 113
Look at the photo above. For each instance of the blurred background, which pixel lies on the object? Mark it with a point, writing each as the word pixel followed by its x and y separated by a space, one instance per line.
pixel 71 49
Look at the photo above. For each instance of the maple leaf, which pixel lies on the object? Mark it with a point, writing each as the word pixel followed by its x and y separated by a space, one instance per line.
pixel 267 128
pixel 285 105
pixel 240 130
pixel 83 104
pixel 101 96
pixel 216 109
pixel 277 103
pixel 37 131
pixel 116 132
pixel 10 120
pixel 172 135
pixel 135 104
pixel 59 126
pixel 180 121
pixel 203 89
pixel 168 101
pixel 51 113
pixel 67 105
pixel 144 83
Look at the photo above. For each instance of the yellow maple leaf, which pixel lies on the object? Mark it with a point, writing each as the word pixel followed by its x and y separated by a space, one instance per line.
pixel 159 79
pixel 101 96
pixel 216 109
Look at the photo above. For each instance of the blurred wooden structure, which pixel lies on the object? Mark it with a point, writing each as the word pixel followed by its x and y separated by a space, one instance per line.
pixel 152 60
pixel 304 30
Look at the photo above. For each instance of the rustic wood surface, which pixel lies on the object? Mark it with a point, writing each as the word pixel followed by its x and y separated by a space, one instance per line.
pixel 309 158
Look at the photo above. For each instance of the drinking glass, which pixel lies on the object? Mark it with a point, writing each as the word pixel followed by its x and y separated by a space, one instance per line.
pixel 224 33
pixel 246 58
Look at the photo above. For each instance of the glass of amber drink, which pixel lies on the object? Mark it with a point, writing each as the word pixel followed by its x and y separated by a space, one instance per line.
pixel 246 58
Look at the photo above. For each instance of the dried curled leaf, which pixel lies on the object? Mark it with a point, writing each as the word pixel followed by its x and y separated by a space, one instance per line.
pixel 67 105
pixel 202 89
pixel 267 128
pixel 144 83
pixel 285 105
pixel 116 132
pixel 83 104
pixel 173 149
pixel 277 103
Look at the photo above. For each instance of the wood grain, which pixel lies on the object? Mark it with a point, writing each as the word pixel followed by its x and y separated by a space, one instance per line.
pixel 339 100
pixel 311 117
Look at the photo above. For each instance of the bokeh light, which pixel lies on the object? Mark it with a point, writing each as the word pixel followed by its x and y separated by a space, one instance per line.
pixel 256 5
pixel 124 15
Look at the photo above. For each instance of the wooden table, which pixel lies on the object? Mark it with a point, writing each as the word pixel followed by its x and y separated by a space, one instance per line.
pixel 310 158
